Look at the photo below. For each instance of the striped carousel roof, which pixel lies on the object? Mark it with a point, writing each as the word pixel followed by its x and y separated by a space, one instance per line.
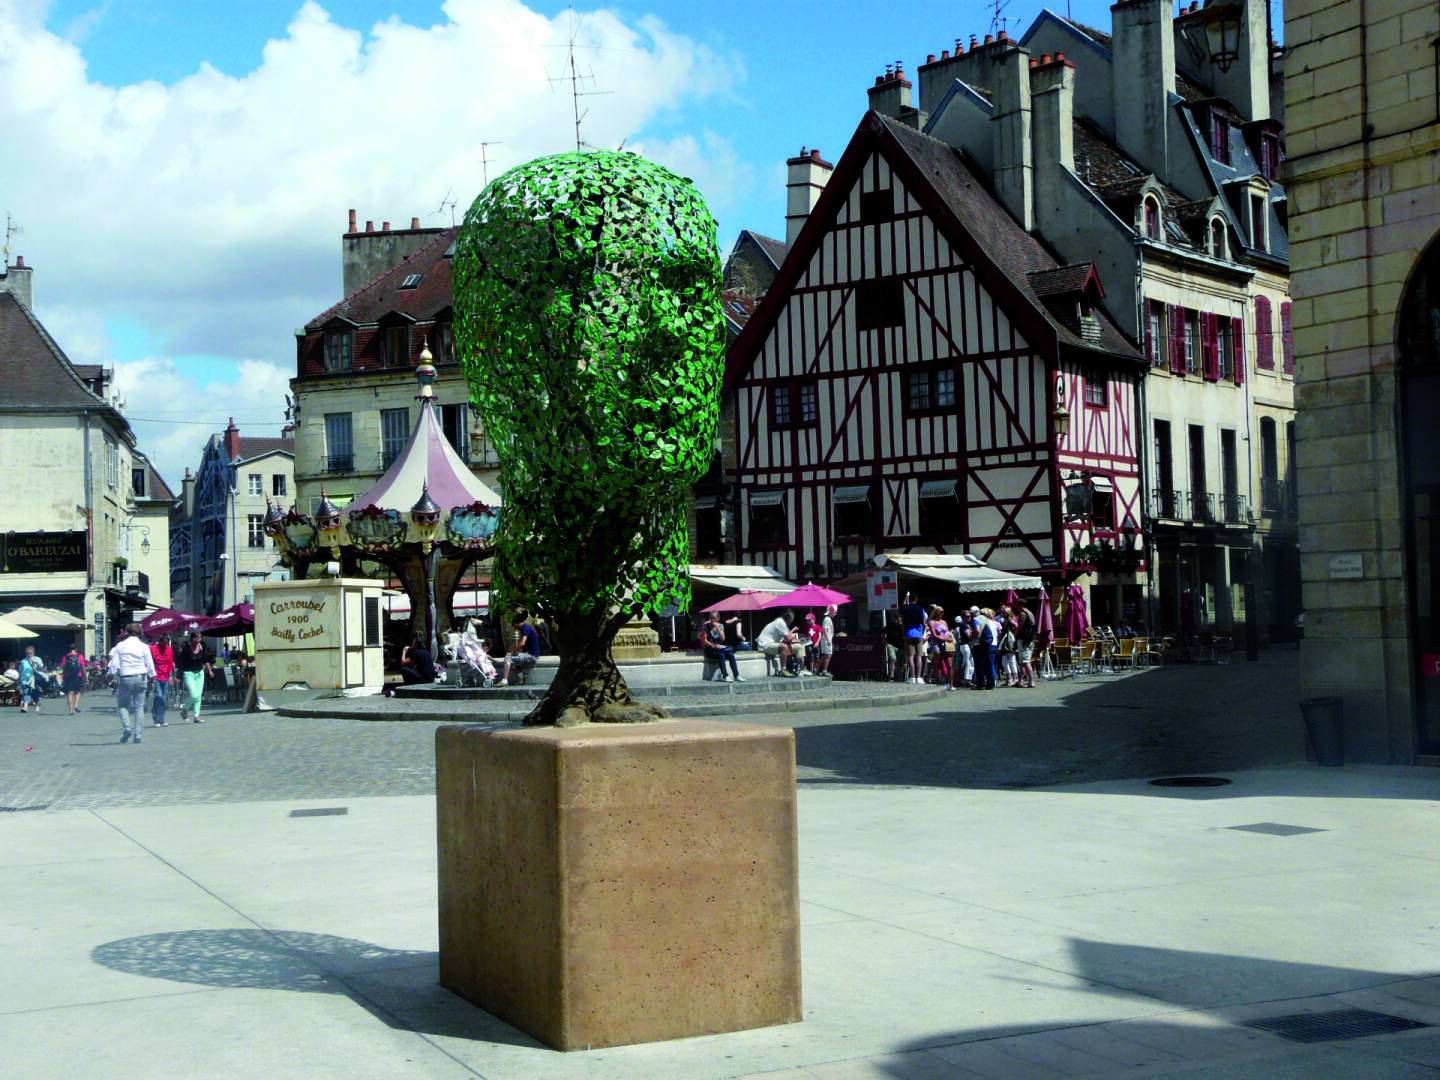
pixel 427 462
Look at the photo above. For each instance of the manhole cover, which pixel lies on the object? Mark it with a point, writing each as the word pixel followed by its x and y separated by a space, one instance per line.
pixel 321 811
pixel 1190 781
pixel 1335 1026
pixel 1274 828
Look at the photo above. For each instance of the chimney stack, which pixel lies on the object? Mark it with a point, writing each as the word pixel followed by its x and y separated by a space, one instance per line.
pixel 1052 99
pixel 385 226
pixel 352 222
pixel 232 441
pixel 1143 44
pixel 805 178
pixel 16 280
pixel 891 92
pixel 414 222
pixel 1014 152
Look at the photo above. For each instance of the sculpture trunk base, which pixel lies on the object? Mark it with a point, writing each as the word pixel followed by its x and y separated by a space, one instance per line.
pixel 588 687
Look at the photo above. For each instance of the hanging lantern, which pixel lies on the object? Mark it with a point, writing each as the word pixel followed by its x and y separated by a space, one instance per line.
pixel 425 517
pixel 1061 416
pixel 1222 34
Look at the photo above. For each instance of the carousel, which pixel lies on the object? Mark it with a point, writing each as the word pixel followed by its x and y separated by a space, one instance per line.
pixel 425 523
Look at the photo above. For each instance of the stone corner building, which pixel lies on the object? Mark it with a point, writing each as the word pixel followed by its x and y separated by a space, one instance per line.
pixel 1363 119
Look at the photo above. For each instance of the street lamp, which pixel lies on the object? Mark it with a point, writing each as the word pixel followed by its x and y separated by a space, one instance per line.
pixel 144 532
pixel 1060 418
pixel 1222 34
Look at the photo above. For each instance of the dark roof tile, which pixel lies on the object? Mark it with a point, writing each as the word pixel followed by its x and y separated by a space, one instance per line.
pixel 33 369
pixel 255 446
pixel 382 294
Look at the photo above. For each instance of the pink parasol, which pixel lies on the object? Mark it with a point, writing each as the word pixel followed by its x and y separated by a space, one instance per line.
pixel 1076 619
pixel 1011 598
pixel 1044 622
pixel 808 595
pixel 744 600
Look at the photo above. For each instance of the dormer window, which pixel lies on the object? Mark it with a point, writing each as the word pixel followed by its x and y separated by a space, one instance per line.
pixel 395 345
pixel 1152 217
pixel 1257 222
pixel 1217 238
pixel 1269 155
pixel 339 348
pixel 1219 137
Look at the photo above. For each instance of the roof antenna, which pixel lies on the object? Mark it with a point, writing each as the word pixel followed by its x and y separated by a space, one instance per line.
pixel 998 20
pixel 11 229
pixel 447 203
pixel 485 162
pixel 575 79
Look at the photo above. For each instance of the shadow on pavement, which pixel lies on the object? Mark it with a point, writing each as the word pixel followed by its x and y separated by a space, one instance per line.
pixel 399 987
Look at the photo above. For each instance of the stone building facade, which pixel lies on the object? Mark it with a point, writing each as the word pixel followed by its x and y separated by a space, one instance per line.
pixel 1363 111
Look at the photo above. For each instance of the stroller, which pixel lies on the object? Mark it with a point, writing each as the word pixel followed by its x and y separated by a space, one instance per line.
pixel 468 651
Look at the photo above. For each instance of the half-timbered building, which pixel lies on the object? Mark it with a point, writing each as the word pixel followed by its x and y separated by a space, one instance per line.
pixel 900 385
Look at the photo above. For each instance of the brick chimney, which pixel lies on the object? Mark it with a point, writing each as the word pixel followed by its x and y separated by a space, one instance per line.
pixel 891 92
pixel 232 441
pixel 1143 78
pixel 1014 176
pixel 805 178
pixel 16 282
pixel 1052 102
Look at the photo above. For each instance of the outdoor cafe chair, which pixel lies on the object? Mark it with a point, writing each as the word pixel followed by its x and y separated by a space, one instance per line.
pixel 1125 653
pixel 1083 657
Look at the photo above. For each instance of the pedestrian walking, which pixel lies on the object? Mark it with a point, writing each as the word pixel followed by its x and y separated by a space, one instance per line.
pixel 827 641
pixel 894 648
pixel 941 643
pixel 1025 637
pixel 1009 664
pixel 912 616
pixel 72 679
pixel 983 648
pixel 131 664
pixel 164 656
pixel 30 684
pixel 195 662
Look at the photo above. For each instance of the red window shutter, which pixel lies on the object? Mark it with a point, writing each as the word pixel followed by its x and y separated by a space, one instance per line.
pixel 1286 345
pixel 1176 320
pixel 1237 347
pixel 1209 347
pixel 1264 343
pixel 1149 337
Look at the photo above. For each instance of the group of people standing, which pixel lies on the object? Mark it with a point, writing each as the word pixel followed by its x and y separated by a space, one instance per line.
pixel 984 648
pixel 144 672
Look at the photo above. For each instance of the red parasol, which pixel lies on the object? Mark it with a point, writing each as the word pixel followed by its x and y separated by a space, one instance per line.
pixel 1076 619
pixel 170 621
pixel 808 595
pixel 1044 622
pixel 236 619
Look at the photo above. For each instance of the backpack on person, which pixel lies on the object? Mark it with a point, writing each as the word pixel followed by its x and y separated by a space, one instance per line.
pixel 70 666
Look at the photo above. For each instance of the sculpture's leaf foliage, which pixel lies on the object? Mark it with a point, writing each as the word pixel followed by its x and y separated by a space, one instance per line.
pixel 588 320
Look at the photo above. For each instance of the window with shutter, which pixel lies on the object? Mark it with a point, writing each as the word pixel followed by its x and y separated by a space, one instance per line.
pixel 1287 347
pixel 1177 320
pixel 1209 351
pixel 1264 343
pixel 1237 348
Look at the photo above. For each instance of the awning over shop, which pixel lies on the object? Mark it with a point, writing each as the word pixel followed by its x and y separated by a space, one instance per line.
pixel 737 577
pixel 852 493
pixel 937 489
pixel 1102 483
pixel 966 573
pixel 767 498
pixel 466 602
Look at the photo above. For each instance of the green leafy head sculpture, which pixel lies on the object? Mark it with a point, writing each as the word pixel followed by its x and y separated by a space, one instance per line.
pixel 588 320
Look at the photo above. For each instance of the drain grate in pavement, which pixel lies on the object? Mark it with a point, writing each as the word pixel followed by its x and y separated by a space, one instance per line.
pixel 1190 781
pixel 1335 1026
pixel 1274 828
pixel 321 811
pixel 22 809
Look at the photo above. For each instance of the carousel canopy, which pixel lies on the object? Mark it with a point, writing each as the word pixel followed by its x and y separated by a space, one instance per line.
pixel 428 463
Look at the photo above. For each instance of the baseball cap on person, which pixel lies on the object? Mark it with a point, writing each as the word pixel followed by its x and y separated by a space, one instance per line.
pixel 974 611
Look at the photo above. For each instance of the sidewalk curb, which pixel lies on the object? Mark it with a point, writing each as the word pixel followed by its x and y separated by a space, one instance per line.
pixel 814 703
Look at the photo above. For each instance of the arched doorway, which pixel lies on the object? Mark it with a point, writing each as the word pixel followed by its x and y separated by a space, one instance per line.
pixel 1419 348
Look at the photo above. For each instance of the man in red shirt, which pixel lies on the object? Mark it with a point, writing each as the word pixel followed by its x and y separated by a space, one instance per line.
pixel 164 668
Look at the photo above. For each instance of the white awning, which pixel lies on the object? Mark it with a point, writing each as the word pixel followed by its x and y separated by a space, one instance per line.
pixel 1102 483
pixel 937 489
pixel 737 577
pixel 466 602
pixel 855 493
pixel 965 572
pixel 767 498
pixel 706 502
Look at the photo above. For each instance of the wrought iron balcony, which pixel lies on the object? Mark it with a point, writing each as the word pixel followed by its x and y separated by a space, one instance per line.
pixel 1167 504
pixel 1236 509
pixel 340 463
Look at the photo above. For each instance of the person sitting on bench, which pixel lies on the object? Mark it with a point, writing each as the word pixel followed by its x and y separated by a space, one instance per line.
pixel 712 640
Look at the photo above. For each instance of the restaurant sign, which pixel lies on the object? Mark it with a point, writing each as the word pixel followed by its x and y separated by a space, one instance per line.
pixel 43 553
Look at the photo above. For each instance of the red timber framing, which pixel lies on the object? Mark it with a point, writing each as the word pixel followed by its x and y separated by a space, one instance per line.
pixel 935 374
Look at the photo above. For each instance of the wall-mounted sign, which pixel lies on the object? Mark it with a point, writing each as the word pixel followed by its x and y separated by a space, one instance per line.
pixel 882 590
pixel 1346 566
pixel 297 619
pixel 43 553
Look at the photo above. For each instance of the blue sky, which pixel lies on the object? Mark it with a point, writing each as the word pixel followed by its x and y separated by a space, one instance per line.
pixel 227 139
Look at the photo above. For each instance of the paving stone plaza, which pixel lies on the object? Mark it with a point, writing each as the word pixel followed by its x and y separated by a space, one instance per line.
pixel 989 887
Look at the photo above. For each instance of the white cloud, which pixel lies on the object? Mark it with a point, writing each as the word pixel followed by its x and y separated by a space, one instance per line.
pixel 207 211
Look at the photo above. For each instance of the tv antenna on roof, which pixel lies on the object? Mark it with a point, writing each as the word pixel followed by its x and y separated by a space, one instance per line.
pixel 998 19
pixel 11 229
pixel 447 203
pixel 575 79
pixel 485 160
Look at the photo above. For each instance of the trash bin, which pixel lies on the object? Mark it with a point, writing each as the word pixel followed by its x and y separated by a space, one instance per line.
pixel 1324 723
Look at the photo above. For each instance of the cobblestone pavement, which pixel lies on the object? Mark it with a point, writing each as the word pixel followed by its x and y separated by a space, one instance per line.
pixel 1174 719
